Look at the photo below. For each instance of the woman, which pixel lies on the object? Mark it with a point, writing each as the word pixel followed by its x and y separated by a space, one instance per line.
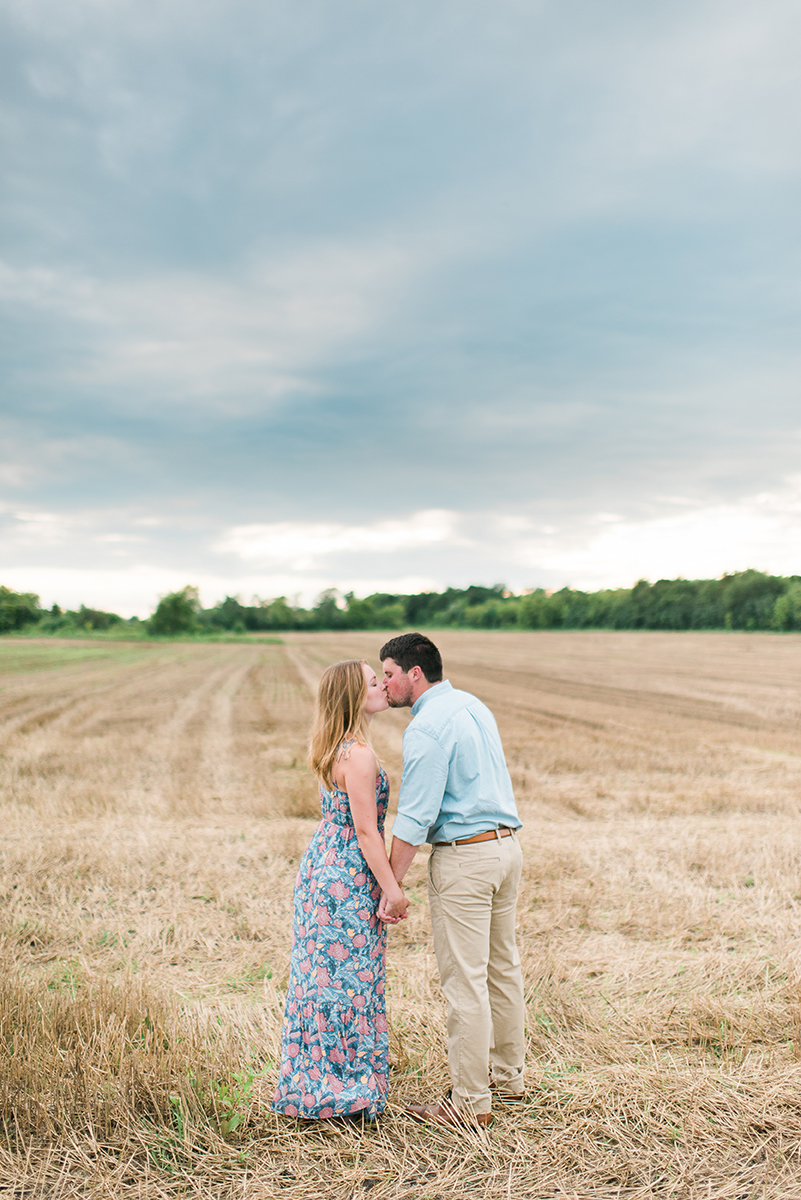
pixel 334 1049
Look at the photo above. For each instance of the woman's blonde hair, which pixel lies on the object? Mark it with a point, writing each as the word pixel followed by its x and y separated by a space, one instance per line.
pixel 338 716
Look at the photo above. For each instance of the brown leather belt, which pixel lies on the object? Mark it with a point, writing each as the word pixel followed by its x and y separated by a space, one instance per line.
pixel 489 835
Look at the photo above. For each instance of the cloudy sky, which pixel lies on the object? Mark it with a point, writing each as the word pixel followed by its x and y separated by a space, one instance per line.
pixel 397 295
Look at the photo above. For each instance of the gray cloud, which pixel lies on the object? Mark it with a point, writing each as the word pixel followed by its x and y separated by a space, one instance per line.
pixel 516 262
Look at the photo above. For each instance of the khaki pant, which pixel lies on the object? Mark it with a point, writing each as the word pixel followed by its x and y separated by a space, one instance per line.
pixel 472 892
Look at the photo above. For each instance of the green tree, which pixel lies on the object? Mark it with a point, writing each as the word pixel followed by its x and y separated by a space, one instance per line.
pixel 277 614
pixel 750 598
pixel 787 609
pixel 18 609
pixel 228 615
pixel 326 613
pixel 534 611
pixel 379 611
pixel 176 613
pixel 95 618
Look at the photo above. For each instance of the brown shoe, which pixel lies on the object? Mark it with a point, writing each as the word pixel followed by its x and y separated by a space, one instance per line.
pixel 447 1114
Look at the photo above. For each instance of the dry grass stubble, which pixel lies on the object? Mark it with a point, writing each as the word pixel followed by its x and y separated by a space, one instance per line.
pixel 156 804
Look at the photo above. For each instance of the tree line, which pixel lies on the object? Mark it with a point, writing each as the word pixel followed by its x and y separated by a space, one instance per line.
pixel 747 600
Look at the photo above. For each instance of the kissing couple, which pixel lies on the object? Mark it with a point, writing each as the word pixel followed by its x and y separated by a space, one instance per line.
pixel 455 794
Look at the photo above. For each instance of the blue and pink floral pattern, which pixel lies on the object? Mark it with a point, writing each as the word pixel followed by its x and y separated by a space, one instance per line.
pixel 334 1047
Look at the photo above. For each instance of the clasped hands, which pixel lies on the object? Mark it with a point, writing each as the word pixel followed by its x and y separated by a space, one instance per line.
pixel 392 910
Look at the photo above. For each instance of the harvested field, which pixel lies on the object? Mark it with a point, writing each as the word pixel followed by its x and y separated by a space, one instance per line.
pixel 155 803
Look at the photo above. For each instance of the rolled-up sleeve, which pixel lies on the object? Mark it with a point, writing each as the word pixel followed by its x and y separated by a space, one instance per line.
pixel 425 774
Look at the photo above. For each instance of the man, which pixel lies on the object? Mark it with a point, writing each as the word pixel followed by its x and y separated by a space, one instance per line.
pixel 456 794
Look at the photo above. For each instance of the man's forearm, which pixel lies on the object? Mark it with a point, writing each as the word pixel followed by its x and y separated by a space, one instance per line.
pixel 401 857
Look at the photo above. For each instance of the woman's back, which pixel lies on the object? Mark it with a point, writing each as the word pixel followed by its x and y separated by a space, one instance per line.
pixel 335 802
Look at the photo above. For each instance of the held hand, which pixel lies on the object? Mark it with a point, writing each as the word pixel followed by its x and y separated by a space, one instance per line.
pixel 391 910
pixel 384 916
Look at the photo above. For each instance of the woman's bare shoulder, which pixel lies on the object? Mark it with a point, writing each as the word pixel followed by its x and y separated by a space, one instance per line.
pixel 356 754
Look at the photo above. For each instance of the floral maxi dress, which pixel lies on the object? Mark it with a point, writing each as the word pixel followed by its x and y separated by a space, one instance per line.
pixel 334 1046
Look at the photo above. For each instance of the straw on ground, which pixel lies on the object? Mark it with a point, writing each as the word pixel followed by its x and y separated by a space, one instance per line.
pixel 155 803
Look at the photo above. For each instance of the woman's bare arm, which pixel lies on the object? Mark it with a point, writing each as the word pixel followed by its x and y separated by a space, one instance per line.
pixel 356 772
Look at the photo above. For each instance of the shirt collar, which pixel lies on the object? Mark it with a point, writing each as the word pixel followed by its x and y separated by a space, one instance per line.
pixel 438 689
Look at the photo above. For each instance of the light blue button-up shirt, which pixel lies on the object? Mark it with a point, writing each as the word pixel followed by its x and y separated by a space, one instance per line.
pixel 455 779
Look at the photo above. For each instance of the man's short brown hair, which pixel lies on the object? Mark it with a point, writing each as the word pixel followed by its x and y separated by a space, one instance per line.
pixel 414 650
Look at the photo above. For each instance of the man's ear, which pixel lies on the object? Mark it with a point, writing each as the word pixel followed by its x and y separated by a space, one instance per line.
pixel 415 674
